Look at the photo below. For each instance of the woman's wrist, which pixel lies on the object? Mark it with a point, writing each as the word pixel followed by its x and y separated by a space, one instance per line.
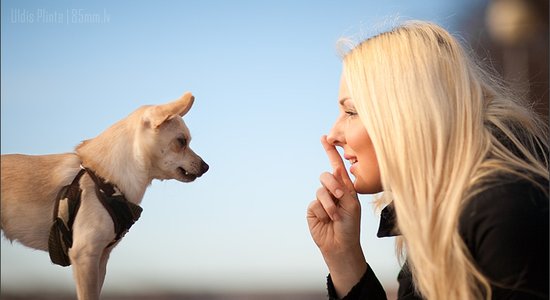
pixel 346 269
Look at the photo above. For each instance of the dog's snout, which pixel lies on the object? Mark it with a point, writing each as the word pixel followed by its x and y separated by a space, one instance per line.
pixel 204 167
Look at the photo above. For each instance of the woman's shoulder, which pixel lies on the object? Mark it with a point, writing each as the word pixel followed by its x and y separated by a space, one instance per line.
pixel 508 194
pixel 510 208
pixel 507 221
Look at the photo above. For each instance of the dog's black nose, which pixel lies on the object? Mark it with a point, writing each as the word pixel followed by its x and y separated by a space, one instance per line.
pixel 204 167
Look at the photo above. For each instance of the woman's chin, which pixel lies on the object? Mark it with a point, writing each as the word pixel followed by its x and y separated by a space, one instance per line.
pixel 362 187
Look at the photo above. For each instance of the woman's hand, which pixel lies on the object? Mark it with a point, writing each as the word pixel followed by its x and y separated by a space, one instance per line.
pixel 334 221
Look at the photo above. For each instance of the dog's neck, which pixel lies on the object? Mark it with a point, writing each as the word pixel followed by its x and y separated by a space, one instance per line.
pixel 111 156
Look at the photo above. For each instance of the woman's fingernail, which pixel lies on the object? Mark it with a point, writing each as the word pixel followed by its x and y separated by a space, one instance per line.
pixel 338 193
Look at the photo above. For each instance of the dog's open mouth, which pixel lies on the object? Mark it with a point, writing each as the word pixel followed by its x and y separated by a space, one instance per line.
pixel 186 176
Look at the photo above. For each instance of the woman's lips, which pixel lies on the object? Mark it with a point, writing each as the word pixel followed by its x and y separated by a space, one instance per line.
pixel 352 160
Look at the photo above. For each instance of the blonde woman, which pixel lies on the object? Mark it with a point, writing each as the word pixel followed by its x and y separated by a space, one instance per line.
pixel 462 166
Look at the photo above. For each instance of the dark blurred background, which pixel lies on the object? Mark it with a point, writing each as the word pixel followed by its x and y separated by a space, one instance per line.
pixel 512 36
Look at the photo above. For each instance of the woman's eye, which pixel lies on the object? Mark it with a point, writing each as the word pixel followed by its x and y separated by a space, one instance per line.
pixel 351 113
pixel 182 142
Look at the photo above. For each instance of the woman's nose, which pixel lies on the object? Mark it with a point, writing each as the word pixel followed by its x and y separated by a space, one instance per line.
pixel 335 136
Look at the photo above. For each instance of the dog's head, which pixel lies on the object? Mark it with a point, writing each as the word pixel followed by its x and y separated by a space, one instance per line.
pixel 164 140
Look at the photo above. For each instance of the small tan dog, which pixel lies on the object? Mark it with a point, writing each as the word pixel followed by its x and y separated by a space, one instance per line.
pixel 111 170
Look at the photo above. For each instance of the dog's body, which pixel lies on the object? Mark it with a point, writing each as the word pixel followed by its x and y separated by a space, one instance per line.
pixel 151 143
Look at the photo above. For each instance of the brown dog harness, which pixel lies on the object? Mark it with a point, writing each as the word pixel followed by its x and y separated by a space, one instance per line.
pixel 123 213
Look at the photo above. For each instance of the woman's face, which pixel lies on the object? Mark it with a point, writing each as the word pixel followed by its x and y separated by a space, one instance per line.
pixel 349 133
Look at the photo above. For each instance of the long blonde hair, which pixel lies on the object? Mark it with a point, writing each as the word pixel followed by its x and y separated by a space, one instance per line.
pixel 437 121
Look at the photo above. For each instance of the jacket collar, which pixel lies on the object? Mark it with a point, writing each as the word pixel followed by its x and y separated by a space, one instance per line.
pixel 388 223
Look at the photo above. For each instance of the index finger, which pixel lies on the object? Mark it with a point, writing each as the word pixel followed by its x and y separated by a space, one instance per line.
pixel 333 156
pixel 338 167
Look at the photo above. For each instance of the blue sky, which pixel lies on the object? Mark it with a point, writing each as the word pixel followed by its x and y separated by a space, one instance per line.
pixel 265 77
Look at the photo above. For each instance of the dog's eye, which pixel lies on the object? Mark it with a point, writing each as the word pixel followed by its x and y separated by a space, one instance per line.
pixel 182 142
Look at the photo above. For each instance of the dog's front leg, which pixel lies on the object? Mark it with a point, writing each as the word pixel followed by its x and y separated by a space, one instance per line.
pixel 85 261
pixel 103 265
pixel 92 233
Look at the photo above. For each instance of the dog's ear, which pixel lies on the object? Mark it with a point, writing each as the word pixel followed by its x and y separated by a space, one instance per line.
pixel 181 106
pixel 160 113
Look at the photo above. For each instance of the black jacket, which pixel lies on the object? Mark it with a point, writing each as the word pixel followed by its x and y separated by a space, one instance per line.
pixel 506 230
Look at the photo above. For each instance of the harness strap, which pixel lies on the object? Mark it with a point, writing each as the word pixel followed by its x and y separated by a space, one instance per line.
pixel 123 213
pixel 61 232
